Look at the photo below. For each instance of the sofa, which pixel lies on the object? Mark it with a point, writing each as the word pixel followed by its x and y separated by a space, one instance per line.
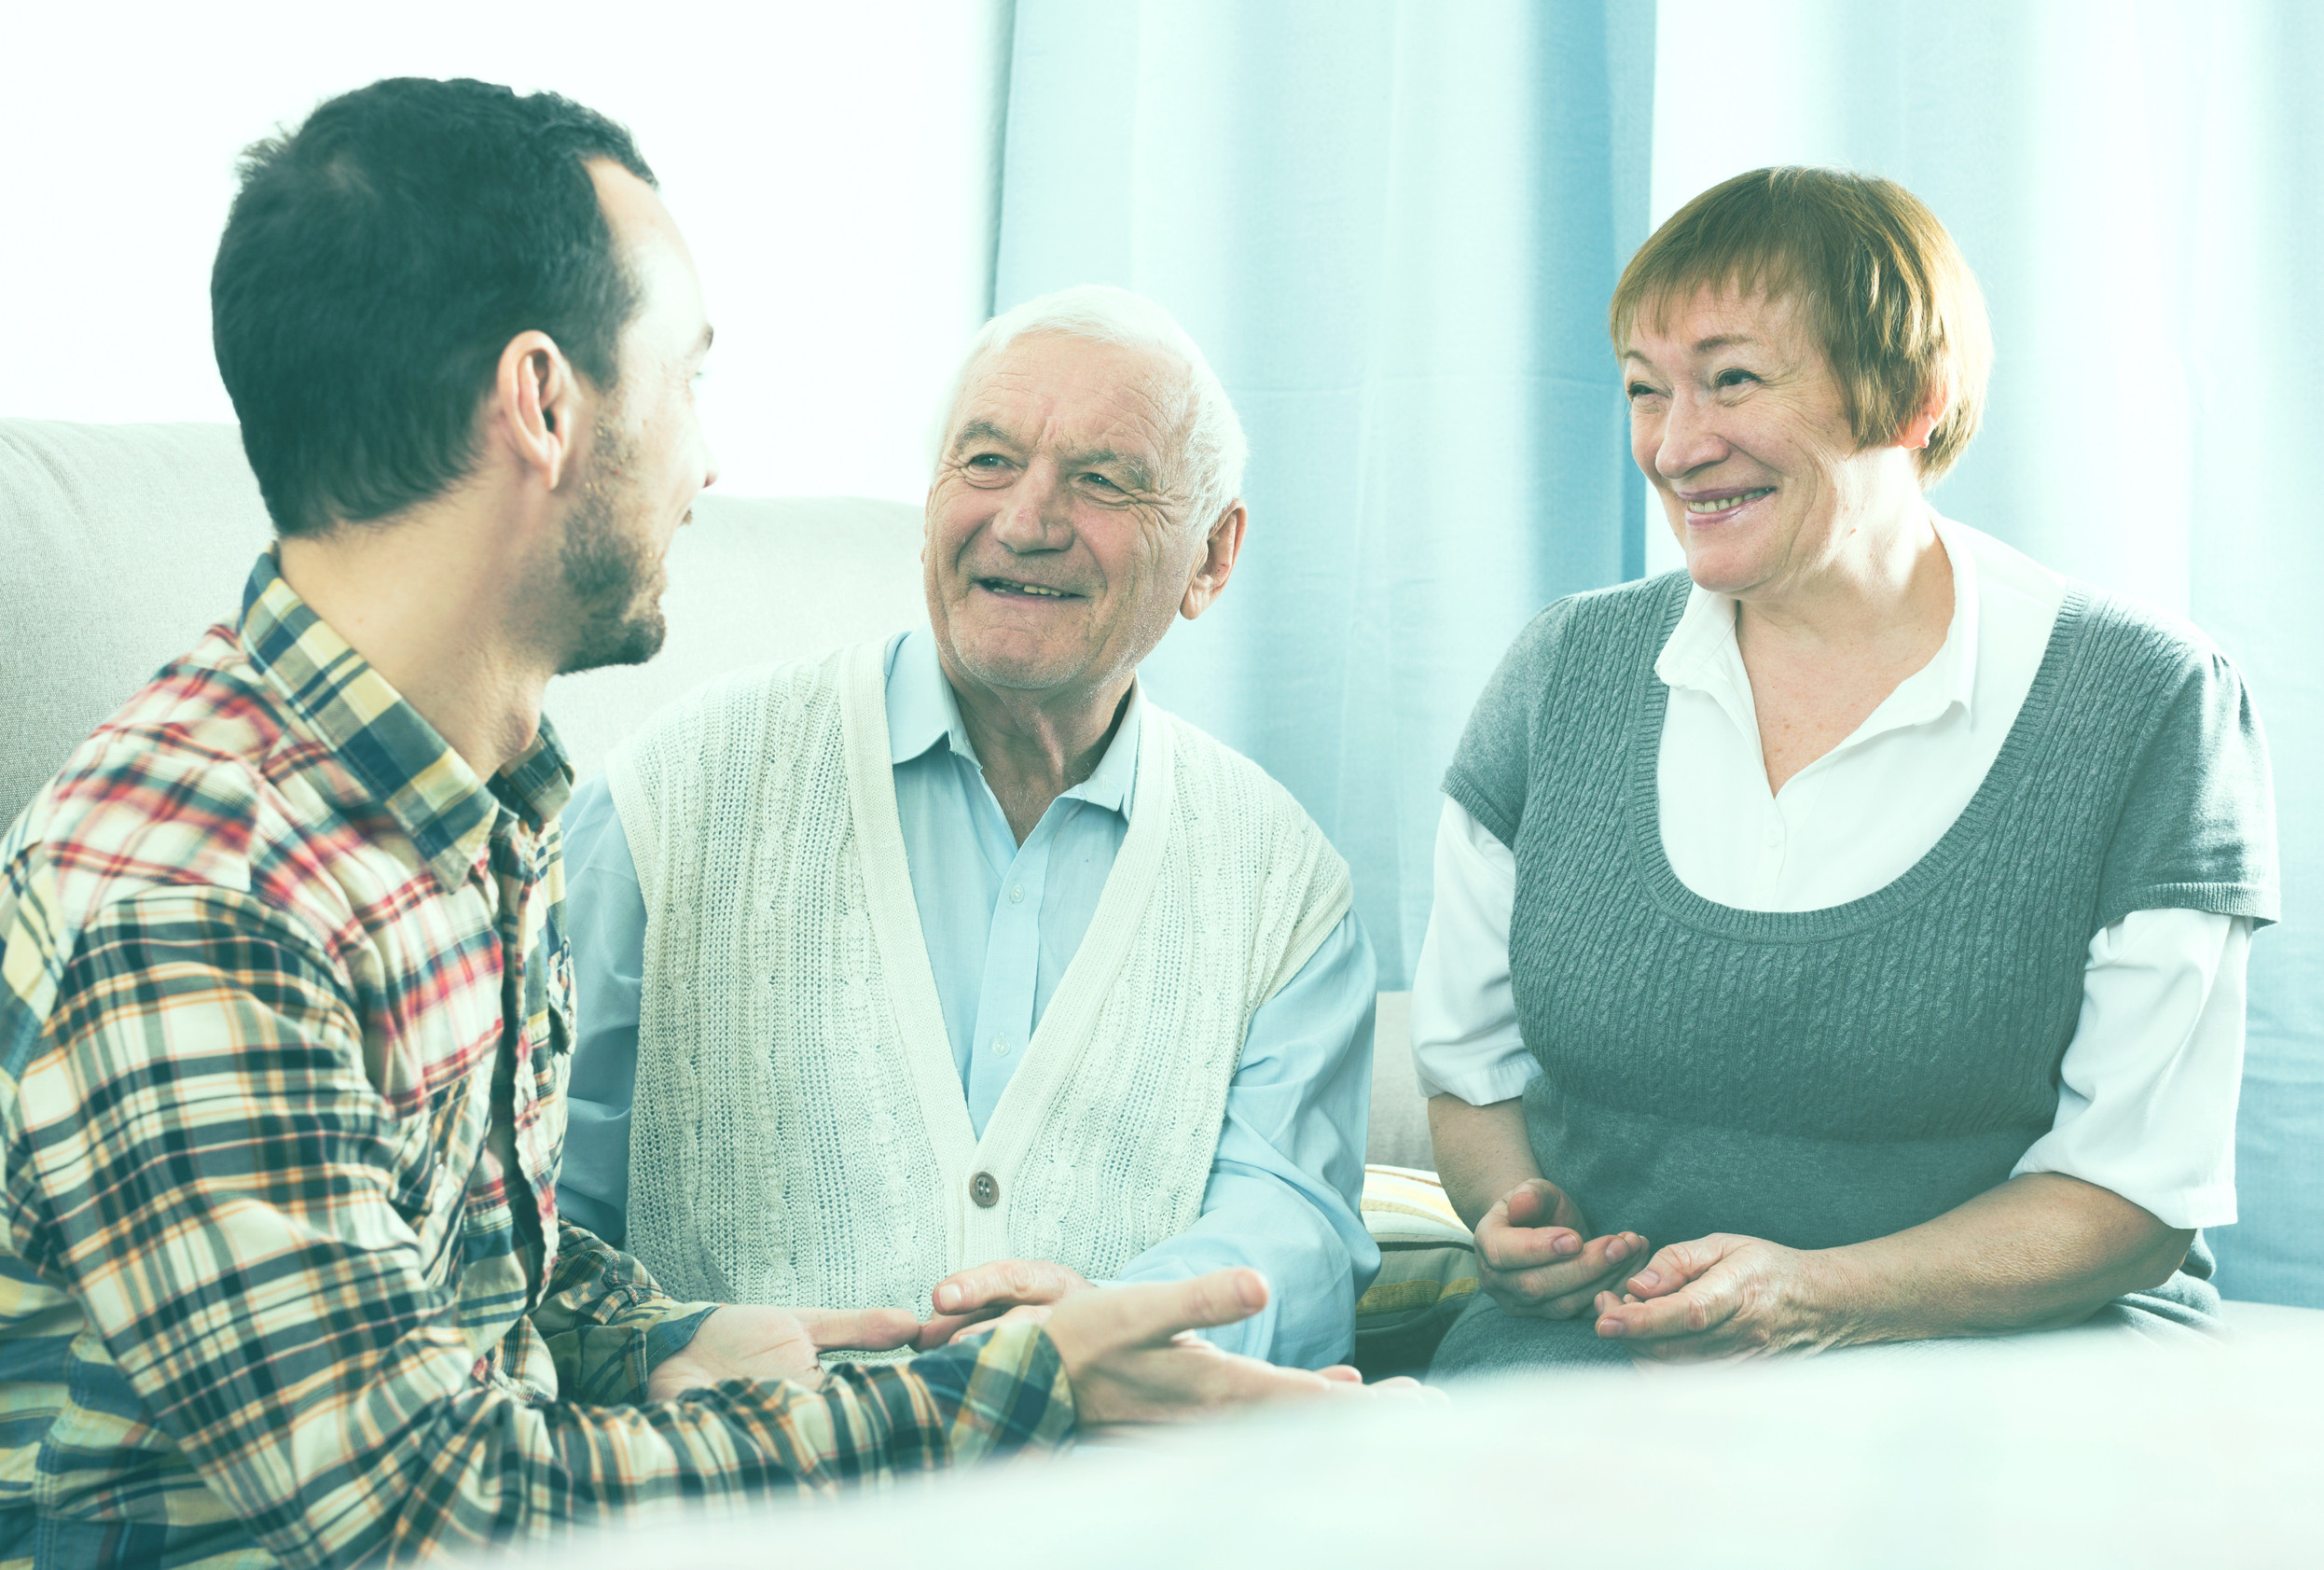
pixel 123 542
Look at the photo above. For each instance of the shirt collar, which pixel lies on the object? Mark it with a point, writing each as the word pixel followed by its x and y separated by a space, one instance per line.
pixel 1701 653
pixel 1953 670
pixel 423 784
pixel 924 711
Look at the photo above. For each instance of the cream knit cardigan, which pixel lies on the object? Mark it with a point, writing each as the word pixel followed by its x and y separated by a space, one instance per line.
pixel 798 1132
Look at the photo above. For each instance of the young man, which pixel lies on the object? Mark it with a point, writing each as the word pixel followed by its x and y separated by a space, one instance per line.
pixel 285 1024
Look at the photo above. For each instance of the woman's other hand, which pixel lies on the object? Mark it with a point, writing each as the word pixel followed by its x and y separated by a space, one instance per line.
pixel 1535 1256
pixel 1721 1296
pixel 2040 1252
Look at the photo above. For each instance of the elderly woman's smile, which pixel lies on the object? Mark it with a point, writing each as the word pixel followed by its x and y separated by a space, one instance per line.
pixel 1720 507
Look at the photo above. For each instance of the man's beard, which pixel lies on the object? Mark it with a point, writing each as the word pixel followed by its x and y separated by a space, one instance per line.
pixel 612 582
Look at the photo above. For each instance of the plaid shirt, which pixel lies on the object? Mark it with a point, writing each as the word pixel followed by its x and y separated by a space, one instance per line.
pixel 284 1040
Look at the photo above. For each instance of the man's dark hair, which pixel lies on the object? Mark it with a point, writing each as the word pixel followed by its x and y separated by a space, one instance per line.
pixel 378 260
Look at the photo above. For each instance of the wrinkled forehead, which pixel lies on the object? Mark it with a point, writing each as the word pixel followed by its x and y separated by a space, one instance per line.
pixel 1048 387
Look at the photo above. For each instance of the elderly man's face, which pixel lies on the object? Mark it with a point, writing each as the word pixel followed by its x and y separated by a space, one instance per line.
pixel 1059 543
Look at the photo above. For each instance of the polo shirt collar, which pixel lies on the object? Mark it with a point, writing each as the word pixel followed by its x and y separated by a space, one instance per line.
pixel 424 785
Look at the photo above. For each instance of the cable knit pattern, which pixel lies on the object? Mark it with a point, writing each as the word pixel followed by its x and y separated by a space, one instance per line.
pixel 1820 1078
pixel 798 1133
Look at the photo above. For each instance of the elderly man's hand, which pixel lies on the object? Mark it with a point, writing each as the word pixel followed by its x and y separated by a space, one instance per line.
pixel 750 1340
pixel 1129 1358
pixel 999 1290
pixel 1721 1296
pixel 1534 1257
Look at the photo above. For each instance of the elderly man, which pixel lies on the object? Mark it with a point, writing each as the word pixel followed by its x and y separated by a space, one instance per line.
pixel 1012 980
pixel 284 1012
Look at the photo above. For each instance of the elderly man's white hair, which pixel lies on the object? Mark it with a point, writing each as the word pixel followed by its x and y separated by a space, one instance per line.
pixel 1212 448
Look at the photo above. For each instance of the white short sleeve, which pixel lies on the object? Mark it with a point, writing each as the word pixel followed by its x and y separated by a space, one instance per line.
pixel 1465 1040
pixel 2147 1104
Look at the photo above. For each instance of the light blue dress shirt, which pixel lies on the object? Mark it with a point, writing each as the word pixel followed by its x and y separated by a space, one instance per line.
pixel 1002 921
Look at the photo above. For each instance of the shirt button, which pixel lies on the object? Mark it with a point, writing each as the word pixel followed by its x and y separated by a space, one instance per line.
pixel 1017 895
pixel 985 1189
pixel 999 1048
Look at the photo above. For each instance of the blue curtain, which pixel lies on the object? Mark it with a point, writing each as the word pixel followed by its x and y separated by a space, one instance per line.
pixel 1393 228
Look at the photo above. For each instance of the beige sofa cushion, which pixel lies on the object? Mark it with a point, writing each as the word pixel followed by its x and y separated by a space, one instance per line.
pixel 751 581
pixel 1428 1271
pixel 124 542
pixel 1399 1135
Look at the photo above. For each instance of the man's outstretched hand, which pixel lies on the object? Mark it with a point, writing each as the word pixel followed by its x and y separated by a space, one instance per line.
pixel 997 1292
pixel 1129 1358
pixel 747 1341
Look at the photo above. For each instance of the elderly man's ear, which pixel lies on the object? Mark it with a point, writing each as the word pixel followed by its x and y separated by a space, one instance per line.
pixel 1218 561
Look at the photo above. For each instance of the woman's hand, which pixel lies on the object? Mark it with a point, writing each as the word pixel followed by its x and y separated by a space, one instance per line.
pixel 2039 1252
pixel 1721 1296
pixel 1534 1257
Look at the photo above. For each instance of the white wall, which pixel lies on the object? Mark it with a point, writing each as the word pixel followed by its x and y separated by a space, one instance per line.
pixel 834 167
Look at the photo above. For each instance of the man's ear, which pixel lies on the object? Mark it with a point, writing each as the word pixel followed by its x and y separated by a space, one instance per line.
pixel 1217 566
pixel 535 410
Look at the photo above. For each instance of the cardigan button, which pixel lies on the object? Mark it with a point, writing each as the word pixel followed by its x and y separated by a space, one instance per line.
pixel 985 1189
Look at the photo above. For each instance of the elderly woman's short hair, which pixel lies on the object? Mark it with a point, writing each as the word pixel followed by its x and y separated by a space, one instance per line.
pixel 1211 444
pixel 1886 291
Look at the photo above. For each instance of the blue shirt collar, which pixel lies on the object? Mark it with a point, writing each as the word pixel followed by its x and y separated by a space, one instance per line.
pixel 923 712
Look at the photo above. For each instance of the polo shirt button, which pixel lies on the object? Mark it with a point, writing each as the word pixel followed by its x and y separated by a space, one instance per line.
pixel 985 1189
pixel 1017 895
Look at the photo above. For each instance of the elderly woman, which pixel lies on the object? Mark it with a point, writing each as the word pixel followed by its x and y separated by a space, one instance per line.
pixel 1843 941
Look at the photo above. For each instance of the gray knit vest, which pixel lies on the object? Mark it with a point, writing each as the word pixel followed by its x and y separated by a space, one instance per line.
pixel 1826 1076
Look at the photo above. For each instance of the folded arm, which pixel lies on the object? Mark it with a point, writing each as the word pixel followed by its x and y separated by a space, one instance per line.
pixel 2038 1252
